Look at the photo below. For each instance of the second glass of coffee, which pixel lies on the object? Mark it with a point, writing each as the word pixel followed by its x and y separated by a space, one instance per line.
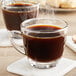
pixel 15 12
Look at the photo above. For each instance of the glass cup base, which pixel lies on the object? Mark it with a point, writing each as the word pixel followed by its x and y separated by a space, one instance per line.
pixel 41 65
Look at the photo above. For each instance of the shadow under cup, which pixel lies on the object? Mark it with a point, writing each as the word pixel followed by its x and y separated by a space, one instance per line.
pixel 44 41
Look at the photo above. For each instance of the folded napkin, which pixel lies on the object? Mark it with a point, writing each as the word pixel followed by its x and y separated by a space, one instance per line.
pixel 4 38
pixel 22 67
pixel 70 43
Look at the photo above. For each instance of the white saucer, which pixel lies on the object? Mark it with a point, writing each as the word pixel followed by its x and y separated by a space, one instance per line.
pixel 23 68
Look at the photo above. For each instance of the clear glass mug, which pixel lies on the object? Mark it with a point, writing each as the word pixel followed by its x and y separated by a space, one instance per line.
pixel 16 11
pixel 43 41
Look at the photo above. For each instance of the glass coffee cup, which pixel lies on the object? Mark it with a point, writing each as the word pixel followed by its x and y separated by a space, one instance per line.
pixel 43 41
pixel 16 11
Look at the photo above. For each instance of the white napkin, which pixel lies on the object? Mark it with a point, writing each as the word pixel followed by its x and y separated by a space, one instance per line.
pixel 4 38
pixel 70 43
pixel 23 68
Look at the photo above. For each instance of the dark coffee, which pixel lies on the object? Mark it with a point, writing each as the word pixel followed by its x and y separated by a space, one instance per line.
pixel 44 47
pixel 16 13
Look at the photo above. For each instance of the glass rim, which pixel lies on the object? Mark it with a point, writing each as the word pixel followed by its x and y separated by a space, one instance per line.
pixel 33 5
pixel 26 21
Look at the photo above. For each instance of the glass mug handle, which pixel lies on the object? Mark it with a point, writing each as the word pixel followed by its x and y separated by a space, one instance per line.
pixel 15 41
